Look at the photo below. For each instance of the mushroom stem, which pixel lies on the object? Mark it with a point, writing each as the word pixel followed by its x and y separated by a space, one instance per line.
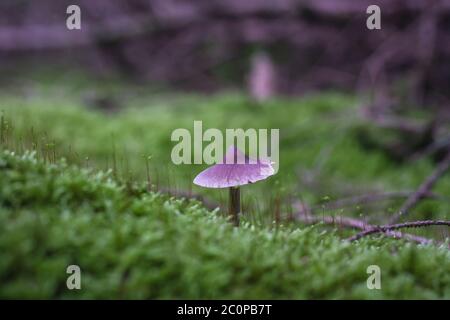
pixel 235 204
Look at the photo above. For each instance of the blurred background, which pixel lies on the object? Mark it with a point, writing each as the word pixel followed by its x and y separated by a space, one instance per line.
pixel 209 45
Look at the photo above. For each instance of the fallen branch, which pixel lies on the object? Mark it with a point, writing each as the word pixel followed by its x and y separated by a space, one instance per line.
pixel 424 188
pixel 389 228
pixel 375 197
pixel 440 144
pixel 361 225
pixel 398 123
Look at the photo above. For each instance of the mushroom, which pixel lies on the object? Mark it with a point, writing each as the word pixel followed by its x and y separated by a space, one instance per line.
pixel 236 170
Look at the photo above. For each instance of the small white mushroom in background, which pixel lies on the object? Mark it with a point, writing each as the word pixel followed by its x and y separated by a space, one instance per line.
pixel 261 79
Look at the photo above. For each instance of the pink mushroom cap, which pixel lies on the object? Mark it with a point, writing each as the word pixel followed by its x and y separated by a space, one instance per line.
pixel 237 169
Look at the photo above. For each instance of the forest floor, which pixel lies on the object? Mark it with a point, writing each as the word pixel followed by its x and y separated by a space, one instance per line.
pixel 94 208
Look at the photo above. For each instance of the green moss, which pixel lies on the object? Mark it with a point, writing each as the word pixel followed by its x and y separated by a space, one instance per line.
pixel 133 244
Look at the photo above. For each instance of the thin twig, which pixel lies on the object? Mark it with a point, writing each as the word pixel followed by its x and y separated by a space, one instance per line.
pixel 389 121
pixel 424 188
pixel 361 225
pixel 442 143
pixel 374 197
pixel 388 228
